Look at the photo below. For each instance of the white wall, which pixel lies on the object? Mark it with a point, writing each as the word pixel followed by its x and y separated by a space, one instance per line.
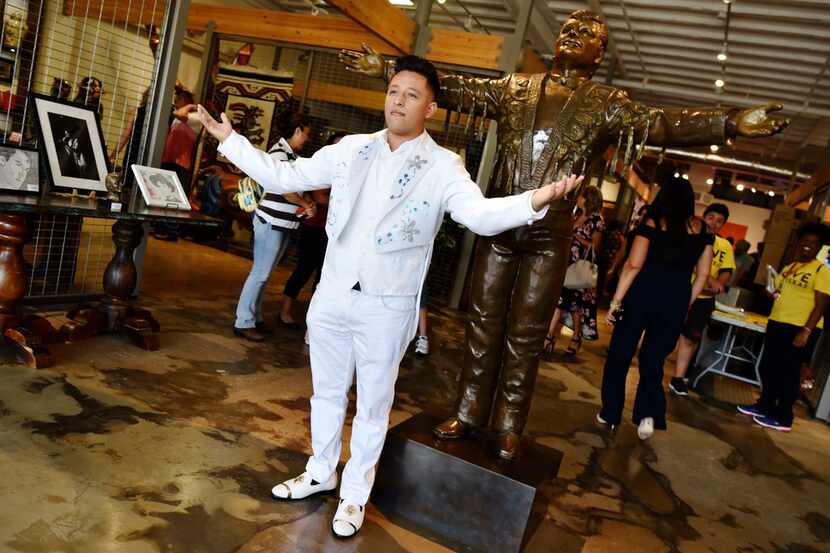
pixel 754 218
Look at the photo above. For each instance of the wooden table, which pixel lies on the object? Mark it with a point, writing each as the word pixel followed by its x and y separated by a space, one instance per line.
pixel 30 335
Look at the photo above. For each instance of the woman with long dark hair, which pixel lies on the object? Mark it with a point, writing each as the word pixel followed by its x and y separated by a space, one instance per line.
pixel 652 297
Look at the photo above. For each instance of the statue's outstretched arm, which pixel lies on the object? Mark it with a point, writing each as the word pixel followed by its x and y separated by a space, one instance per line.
pixel 633 125
pixel 693 126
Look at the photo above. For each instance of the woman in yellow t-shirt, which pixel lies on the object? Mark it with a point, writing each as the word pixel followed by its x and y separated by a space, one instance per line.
pixel 801 295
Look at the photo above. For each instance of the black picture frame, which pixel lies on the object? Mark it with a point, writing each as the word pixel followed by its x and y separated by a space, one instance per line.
pixel 71 140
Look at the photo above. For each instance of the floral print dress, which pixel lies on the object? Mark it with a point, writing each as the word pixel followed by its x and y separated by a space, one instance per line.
pixel 582 301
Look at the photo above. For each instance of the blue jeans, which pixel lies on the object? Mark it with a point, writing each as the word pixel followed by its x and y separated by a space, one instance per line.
pixel 269 247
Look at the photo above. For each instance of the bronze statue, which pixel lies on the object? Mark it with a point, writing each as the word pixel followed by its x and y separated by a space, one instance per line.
pixel 550 123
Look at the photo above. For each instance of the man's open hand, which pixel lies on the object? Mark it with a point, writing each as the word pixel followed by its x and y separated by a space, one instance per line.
pixel 554 190
pixel 219 130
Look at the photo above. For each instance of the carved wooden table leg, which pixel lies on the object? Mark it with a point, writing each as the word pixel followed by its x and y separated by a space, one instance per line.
pixel 115 313
pixel 28 342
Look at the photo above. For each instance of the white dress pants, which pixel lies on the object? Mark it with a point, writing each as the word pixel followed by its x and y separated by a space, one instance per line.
pixel 351 331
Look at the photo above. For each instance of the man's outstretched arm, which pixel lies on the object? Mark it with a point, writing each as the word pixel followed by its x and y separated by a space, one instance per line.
pixel 489 216
pixel 273 175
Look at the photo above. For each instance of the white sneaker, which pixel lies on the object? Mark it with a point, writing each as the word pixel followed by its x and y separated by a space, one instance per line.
pixel 348 519
pixel 302 487
pixel 646 428
pixel 422 346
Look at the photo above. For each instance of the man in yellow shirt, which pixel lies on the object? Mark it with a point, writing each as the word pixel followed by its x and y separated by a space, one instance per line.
pixel 723 263
pixel 801 296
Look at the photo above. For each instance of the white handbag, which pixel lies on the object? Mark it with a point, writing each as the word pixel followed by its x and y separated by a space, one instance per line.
pixel 582 274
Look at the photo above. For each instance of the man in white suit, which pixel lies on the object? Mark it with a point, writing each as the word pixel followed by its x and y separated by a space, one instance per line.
pixel 389 193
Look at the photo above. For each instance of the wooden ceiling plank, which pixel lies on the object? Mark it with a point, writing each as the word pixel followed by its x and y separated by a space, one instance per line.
pixel 378 16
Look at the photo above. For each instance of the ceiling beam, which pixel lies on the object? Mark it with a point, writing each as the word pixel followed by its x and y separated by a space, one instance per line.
pixel 325 31
pixel 812 11
pixel 703 96
pixel 540 32
pixel 619 63
pixel 461 48
pixel 698 34
pixel 386 21
pixel 321 30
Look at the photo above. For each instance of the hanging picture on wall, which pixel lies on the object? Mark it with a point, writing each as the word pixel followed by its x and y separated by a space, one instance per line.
pixel 160 188
pixel 71 138
pixel 19 170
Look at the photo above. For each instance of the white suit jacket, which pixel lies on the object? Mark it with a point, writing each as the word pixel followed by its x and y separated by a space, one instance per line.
pixel 433 181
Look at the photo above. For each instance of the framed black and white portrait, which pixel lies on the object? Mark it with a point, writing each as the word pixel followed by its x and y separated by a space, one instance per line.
pixel 160 188
pixel 19 169
pixel 71 139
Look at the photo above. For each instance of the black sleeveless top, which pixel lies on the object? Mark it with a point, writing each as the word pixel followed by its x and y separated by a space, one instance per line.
pixel 670 251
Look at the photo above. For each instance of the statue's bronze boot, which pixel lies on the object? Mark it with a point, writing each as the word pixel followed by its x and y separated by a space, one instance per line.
pixel 452 428
pixel 508 445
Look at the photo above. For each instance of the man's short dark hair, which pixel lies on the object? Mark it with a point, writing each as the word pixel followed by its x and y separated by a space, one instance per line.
pixel 816 229
pixel 292 121
pixel 720 209
pixel 422 67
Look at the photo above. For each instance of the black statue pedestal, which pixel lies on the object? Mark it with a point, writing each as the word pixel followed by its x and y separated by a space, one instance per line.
pixel 458 491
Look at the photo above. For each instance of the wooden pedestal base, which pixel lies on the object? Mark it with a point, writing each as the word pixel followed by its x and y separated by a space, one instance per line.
pixel 30 334
pixel 114 313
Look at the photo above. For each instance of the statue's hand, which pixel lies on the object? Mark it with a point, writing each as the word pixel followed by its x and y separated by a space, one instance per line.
pixel 757 121
pixel 368 62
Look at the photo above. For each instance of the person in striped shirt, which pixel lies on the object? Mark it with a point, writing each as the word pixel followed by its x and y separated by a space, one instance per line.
pixel 276 216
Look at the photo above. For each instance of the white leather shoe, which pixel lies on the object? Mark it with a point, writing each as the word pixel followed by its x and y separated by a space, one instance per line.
pixel 302 487
pixel 348 519
pixel 646 428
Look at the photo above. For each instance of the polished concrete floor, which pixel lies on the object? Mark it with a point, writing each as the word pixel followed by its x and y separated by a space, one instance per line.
pixel 119 450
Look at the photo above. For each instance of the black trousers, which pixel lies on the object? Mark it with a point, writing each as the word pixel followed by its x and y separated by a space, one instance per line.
pixel 656 305
pixel 311 250
pixel 781 370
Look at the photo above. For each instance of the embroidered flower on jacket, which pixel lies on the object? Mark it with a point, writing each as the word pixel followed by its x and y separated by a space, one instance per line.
pixel 412 167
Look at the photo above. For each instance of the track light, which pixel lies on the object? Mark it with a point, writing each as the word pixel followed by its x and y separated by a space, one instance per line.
pixel 685 176
pixel 754 190
pixel 719 83
pixel 771 193
pixel 722 55
pixel 676 175
pixel 740 187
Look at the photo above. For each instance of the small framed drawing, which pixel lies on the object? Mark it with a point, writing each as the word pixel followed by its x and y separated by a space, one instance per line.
pixel 160 188
pixel 71 138
pixel 19 169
